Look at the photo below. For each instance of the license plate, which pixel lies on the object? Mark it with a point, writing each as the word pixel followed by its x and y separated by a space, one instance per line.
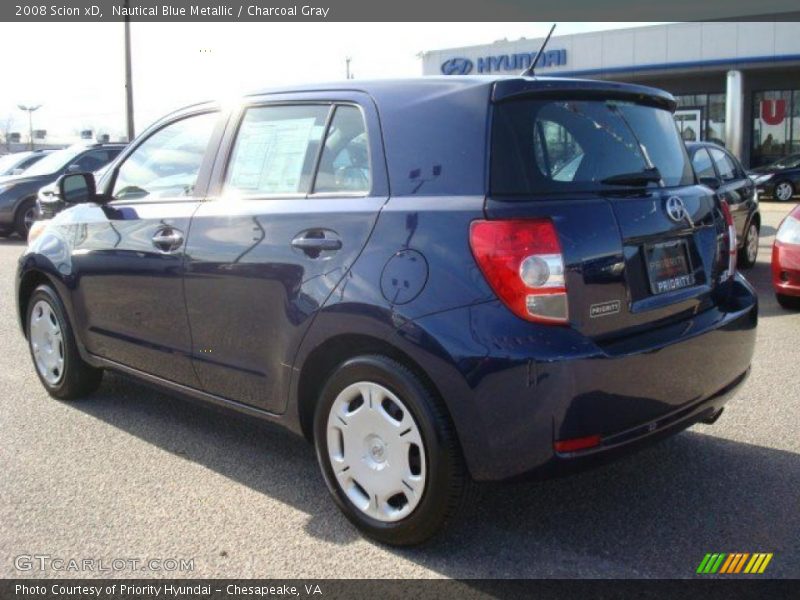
pixel 668 266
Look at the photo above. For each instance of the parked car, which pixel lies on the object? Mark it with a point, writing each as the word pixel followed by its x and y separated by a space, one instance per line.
pixel 786 261
pixel 434 280
pixel 721 171
pixel 18 193
pixel 17 162
pixel 780 180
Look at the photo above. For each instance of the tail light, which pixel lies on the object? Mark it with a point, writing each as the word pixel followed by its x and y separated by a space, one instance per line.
pixel 523 263
pixel 730 236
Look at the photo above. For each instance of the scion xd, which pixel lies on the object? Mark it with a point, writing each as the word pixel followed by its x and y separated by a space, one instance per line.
pixel 436 281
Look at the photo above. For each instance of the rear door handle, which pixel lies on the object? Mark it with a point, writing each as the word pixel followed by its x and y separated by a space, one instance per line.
pixel 317 244
pixel 167 239
pixel 315 241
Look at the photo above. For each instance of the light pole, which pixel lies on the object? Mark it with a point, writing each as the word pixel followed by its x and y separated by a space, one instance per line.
pixel 29 110
pixel 128 78
pixel 347 60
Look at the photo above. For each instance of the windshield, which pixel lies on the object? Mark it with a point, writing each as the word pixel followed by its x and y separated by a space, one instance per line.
pixel 10 161
pixel 550 146
pixel 56 161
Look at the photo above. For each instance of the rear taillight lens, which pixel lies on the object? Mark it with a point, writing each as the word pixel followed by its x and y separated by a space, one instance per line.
pixel 522 261
pixel 730 236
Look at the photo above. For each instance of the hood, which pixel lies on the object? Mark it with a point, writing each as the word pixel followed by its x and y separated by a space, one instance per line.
pixel 19 179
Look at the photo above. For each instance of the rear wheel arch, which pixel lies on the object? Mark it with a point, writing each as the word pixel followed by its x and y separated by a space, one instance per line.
pixel 326 357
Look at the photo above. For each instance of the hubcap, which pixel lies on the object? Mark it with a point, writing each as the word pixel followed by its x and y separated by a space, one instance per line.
pixel 47 342
pixel 783 191
pixel 376 451
pixel 752 243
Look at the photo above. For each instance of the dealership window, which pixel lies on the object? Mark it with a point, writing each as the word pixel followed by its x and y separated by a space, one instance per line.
pixel 776 125
pixel 701 117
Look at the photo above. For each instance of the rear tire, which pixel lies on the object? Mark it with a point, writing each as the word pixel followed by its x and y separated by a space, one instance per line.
pixel 748 253
pixel 784 191
pixel 388 451
pixel 56 359
pixel 24 218
pixel 788 302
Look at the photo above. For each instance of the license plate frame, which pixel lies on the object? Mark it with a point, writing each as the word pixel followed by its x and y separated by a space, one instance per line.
pixel 672 277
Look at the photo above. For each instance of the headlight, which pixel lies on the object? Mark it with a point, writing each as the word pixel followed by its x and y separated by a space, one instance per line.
pixel 789 231
pixel 759 179
pixel 36 230
pixel 5 187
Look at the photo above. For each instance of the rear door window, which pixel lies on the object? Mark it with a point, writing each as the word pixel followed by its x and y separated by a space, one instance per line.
pixel 344 165
pixel 552 146
pixel 275 150
pixel 725 166
pixel 702 164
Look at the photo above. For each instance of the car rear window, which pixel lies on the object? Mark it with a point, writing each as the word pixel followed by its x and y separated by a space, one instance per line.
pixel 553 146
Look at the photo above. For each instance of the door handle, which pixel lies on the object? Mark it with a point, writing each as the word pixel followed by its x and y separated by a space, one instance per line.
pixel 317 241
pixel 317 244
pixel 167 239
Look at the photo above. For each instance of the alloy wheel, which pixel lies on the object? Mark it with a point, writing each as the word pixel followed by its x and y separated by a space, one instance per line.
pixel 376 450
pixel 47 342
pixel 784 191
pixel 29 217
pixel 752 243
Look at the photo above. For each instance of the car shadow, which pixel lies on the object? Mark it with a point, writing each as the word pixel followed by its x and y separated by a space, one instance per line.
pixel 703 493
pixel 12 241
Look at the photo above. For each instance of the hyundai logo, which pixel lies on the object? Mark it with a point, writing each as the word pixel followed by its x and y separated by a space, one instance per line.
pixel 676 209
pixel 457 66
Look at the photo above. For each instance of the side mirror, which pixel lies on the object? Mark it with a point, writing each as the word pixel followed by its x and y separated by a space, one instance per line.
pixel 17 171
pixel 711 182
pixel 75 168
pixel 77 188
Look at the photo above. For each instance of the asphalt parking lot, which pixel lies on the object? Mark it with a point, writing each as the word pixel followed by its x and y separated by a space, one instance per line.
pixel 133 473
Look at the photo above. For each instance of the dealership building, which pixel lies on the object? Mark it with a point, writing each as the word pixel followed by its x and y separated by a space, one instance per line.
pixel 736 83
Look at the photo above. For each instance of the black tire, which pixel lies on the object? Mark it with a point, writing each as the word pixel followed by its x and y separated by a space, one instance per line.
pixel 446 475
pixel 78 378
pixel 21 222
pixel 788 302
pixel 784 182
pixel 746 259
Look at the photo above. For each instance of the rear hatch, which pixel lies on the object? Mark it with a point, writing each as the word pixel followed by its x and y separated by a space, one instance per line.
pixel 642 244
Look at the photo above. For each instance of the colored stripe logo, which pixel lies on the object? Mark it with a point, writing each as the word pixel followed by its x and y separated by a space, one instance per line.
pixel 734 563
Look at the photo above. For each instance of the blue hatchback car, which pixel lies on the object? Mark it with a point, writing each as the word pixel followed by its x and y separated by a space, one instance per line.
pixel 435 280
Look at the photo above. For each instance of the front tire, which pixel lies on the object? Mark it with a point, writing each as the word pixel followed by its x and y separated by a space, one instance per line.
pixel 748 253
pixel 784 191
pixel 388 451
pixel 788 302
pixel 62 371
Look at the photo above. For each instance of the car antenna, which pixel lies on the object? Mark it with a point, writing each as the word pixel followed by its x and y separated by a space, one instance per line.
pixel 530 71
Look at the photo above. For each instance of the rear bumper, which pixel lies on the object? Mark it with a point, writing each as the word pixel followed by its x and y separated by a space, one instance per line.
pixel 514 388
pixel 786 269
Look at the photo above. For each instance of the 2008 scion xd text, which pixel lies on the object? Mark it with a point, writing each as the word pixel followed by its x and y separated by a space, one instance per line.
pixel 434 280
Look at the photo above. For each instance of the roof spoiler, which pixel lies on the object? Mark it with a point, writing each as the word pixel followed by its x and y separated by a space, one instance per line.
pixel 556 87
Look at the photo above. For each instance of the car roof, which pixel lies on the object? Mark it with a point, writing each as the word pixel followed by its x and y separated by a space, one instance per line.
pixel 502 87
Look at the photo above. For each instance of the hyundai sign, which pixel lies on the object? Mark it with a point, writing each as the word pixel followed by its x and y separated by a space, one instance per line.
pixel 503 62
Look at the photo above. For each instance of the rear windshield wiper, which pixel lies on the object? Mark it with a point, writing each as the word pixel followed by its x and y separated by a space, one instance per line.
pixel 639 179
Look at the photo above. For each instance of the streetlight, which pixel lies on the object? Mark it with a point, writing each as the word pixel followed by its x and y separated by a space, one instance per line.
pixel 29 110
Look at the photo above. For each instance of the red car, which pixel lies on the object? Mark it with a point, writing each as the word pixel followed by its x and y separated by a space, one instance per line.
pixel 786 261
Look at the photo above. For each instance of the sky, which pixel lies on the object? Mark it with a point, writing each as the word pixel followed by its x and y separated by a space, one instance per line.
pixel 75 71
